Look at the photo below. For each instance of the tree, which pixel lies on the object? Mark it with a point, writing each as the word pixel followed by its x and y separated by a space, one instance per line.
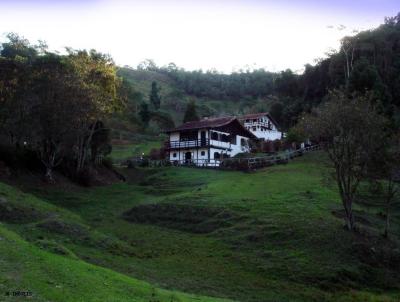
pixel 276 111
pixel 144 113
pixel 191 112
pixel 348 48
pixel 101 141
pixel 96 85
pixel 350 131
pixel 383 172
pixel 18 47
pixel 52 114
pixel 154 96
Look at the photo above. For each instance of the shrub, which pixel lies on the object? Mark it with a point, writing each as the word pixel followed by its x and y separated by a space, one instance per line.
pixel 108 162
pixel 242 155
pixel 144 162
pixel 157 154
pixel 240 165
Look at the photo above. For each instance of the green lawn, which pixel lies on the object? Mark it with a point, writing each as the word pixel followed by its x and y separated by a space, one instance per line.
pixel 263 236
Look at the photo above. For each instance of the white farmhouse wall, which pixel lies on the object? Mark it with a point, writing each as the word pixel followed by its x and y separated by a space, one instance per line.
pixel 174 136
pixel 207 156
pixel 200 156
pixel 257 128
pixel 238 147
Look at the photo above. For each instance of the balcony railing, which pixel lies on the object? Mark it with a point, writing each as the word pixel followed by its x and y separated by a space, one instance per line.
pixel 187 144
pixel 261 124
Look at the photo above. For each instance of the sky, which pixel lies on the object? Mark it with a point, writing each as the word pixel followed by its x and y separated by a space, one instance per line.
pixel 226 35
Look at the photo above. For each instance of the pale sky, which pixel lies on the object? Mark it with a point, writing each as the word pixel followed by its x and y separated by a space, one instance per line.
pixel 221 34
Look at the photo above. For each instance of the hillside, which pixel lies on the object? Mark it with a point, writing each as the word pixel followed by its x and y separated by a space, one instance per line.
pixel 373 66
pixel 174 98
pixel 272 235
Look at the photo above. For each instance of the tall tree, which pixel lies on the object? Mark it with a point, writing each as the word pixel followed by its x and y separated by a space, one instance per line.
pixel 52 114
pixel 384 171
pixel 144 114
pixel 97 86
pixel 154 96
pixel 191 112
pixel 350 131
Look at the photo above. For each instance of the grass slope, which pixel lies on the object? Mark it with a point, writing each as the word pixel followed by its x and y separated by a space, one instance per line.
pixel 51 277
pixel 124 151
pixel 263 236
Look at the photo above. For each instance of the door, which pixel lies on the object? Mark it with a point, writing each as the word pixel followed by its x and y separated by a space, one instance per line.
pixel 188 157
pixel 203 138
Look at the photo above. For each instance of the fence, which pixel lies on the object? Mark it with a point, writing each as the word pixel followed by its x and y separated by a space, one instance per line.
pixel 247 163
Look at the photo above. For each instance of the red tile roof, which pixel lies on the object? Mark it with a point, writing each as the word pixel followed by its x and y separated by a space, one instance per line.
pixel 205 123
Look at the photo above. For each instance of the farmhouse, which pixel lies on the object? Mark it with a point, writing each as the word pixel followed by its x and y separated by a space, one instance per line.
pixel 208 141
pixel 262 125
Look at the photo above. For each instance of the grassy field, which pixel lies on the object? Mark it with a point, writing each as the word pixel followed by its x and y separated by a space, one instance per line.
pixel 125 151
pixel 265 236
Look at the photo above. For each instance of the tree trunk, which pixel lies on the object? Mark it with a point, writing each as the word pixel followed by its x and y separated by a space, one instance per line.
pixel 386 232
pixel 49 175
pixel 83 147
pixel 349 219
pixel 391 189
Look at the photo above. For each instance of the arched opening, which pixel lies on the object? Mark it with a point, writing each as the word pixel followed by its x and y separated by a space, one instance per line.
pixel 188 157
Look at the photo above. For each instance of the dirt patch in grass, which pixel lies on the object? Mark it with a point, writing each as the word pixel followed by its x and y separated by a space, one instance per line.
pixel 55 248
pixel 13 213
pixel 65 228
pixel 193 219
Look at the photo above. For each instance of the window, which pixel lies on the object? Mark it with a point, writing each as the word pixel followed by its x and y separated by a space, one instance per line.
pixel 243 142
pixel 247 121
pixel 225 138
pixel 233 139
pixel 174 155
pixel 216 155
pixel 214 136
pixel 203 153
pixel 254 128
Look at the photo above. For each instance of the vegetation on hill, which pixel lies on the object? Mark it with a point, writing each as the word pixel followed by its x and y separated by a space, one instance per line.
pixel 272 235
pixel 368 60
pixel 53 105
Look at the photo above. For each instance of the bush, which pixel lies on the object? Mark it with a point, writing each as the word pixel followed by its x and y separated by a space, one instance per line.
pixel 108 163
pixel 240 165
pixel 144 162
pixel 20 158
pixel 242 155
pixel 131 163
pixel 157 154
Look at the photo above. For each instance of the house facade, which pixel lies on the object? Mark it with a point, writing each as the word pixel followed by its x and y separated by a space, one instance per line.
pixel 208 141
pixel 262 125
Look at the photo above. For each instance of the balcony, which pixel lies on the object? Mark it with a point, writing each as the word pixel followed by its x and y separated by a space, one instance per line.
pixel 260 124
pixel 187 144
